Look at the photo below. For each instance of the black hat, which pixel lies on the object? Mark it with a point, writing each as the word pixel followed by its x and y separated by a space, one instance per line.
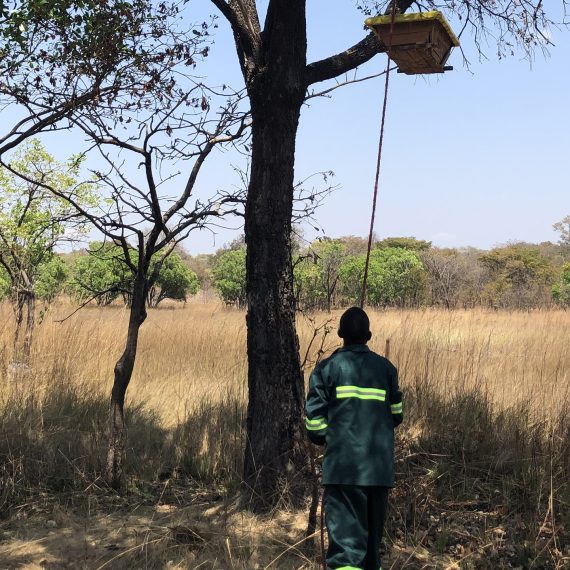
pixel 354 325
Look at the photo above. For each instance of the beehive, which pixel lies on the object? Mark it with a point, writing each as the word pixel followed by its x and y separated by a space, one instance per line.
pixel 417 43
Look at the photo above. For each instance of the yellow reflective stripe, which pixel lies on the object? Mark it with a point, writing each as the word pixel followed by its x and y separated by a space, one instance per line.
pixel 350 568
pixel 396 408
pixel 360 393
pixel 316 424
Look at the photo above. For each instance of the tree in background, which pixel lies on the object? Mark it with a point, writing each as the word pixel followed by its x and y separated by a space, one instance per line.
pixel 404 243
pixel 317 274
pixel 175 281
pixel 519 277
pixel 100 275
pixel 52 278
pixel 563 228
pixel 561 289
pixel 33 221
pixel 444 270
pixel 396 277
pixel 228 275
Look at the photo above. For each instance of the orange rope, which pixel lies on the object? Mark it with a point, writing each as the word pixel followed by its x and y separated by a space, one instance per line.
pixel 378 162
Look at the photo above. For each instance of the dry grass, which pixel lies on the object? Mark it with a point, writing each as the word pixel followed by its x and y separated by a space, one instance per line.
pixel 483 459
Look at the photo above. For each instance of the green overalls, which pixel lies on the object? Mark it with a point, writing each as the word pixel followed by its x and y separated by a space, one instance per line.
pixel 352 407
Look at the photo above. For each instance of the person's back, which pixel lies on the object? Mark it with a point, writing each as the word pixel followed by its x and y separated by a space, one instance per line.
pixel 353 405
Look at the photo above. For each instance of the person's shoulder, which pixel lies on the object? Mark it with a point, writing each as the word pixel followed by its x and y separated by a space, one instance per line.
pixel 383 361
pixel 325 362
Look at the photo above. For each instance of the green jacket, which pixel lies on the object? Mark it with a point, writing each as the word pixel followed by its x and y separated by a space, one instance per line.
pixel 353 405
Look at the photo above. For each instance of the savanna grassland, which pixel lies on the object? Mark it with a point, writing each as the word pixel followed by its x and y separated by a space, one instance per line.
pixel 483 455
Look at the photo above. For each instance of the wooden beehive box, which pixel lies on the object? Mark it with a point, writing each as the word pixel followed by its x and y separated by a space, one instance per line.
pixel 417 43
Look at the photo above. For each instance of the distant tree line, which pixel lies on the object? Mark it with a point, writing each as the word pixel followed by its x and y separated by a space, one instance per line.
pixel 404 272
pixel 408 272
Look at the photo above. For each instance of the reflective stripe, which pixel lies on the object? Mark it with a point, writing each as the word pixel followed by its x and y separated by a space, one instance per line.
pixel 316 424
pixel 396 408
pixel 350 568
pixel 360 393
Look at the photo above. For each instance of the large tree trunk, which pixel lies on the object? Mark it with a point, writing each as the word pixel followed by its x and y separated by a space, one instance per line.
pixel 275 455
pixel 123 373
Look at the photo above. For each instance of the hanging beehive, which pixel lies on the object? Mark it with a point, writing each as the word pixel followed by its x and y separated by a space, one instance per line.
pixel 417 43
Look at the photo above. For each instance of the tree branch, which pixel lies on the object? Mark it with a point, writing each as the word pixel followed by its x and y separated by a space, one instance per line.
pixel 351 58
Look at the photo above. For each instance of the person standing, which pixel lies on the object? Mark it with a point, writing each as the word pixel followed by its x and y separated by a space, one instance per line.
pixel 353 405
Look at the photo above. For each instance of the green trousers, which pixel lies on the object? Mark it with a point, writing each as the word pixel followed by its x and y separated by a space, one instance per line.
pixel 355 523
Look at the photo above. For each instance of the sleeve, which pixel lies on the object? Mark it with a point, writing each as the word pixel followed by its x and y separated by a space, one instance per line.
pixel 396 404
pixel 316 408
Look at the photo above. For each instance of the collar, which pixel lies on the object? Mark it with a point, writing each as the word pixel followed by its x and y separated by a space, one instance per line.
pixel 354 348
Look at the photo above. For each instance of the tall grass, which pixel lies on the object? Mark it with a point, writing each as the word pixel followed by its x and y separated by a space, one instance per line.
pixel 487 399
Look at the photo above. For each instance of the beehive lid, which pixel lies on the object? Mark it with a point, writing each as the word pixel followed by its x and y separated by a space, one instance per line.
pixel 415 17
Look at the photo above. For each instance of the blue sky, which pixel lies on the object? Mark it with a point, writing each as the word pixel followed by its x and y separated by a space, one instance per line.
pixel 475 157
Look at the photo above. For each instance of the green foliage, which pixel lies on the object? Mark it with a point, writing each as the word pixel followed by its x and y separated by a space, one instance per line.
pixel 51 279
pixel 4 284
pixel 229 276
pixel 395 277
pixel 175 281
pixel 33 221
pixel 317 274
pixel 561 289
pixel 404 243
pixel 520 276
pixel 101 274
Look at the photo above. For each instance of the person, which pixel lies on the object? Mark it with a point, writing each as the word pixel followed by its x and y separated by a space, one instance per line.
pixel 353 405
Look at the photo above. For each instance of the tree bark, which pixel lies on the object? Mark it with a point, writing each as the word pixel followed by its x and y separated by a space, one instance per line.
pixel 123 373
pixel 274 455
pixel 25 302
pixel 30 324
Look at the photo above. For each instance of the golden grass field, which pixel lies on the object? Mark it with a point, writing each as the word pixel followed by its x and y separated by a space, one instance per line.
pixel 485 444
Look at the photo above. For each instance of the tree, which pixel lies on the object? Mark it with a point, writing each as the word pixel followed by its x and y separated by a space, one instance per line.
pixel 317 274
pixel 229 276
pixel 175 281
pixel 563 228
pixel 273 60
pixel 101 274
pixel 395 278
pixel 404 243
pixel 520 277
pixel 561 289
pixel 152 115
pixel 445 270
pixel 52 278
pixel 62 56
pixel 32 223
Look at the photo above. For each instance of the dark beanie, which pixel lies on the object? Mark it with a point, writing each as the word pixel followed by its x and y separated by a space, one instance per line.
pixel 354 325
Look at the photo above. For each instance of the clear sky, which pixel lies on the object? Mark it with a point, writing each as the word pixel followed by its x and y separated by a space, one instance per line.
pixel 474 157
pixel 477 157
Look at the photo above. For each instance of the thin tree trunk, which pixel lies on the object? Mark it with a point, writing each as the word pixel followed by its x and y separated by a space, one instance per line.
pixel 123 373
pixel 30 324
pixel 18 304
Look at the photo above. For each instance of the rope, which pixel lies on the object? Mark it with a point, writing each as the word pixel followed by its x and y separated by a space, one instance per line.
pixel 378 161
